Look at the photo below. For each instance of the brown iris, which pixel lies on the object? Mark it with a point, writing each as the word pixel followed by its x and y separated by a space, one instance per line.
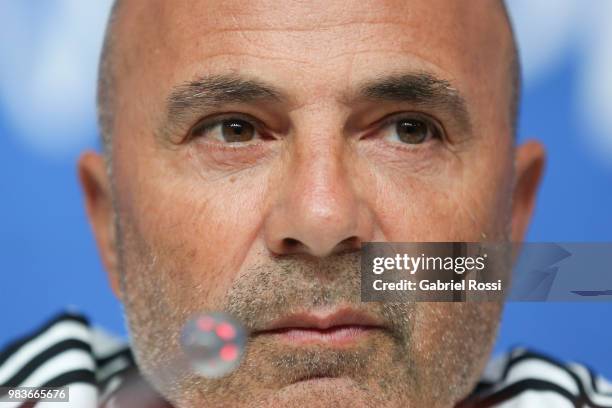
pixel 412 131
pixel 236 130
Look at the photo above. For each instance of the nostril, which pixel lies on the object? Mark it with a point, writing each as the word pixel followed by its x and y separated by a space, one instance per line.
pixel 320 248
pixel 291 243
pixel 349 244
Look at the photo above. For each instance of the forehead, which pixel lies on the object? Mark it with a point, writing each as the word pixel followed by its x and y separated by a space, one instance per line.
pixel 315 46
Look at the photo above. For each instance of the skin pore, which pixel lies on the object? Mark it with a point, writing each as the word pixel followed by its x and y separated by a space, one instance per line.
pixel 255 146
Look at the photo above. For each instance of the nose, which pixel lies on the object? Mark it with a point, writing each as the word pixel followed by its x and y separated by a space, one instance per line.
pixel 318 209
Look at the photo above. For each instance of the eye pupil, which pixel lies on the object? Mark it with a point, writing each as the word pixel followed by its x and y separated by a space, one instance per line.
pixel 411 131
pixel 237 131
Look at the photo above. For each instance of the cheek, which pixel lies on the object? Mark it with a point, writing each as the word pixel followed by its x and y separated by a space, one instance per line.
pixel 453 340
pixel 455 203
pixel 200 231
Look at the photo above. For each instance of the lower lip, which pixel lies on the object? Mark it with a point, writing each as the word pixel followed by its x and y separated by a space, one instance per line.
pixel 334 336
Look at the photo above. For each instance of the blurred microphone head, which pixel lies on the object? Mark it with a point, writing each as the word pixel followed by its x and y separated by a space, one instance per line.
pixel 214 343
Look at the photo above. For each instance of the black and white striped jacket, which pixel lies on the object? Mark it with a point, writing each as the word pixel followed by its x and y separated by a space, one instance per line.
pixel 100 372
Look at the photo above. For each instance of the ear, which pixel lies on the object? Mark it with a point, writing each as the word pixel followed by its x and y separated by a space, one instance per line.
pixel 98 202
pixel 529 167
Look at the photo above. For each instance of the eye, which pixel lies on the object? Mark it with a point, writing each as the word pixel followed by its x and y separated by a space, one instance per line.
pixel 411 130
pixel 229 130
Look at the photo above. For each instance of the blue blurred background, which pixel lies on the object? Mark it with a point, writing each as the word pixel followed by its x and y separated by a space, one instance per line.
pixel 48 57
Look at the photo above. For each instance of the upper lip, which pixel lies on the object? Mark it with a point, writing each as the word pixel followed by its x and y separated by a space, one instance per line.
pixel 323 319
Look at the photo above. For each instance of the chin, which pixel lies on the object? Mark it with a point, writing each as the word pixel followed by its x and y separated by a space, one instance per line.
pixel 327 392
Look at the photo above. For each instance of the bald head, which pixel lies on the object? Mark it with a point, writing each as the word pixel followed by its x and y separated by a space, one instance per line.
pixel 110 60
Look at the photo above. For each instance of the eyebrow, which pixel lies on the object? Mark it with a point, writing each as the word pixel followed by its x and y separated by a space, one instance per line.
pixel 423 89
pixel 212 91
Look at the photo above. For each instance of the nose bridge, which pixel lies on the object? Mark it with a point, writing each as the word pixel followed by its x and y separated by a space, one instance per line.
pixel 317 210
pixel 318 162
pixel 321 186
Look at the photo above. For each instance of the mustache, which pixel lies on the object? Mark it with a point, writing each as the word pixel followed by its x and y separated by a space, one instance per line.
pixel 295 283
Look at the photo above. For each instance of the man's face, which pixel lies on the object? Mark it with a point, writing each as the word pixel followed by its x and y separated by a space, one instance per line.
pixel 257 144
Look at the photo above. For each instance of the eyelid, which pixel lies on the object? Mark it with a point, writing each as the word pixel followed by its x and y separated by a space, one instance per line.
pixel 438 130
pixel 209 122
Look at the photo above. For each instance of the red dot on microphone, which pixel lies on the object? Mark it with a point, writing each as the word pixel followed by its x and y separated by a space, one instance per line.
pixel 206 323
pixel 229 352
pixel 226 331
